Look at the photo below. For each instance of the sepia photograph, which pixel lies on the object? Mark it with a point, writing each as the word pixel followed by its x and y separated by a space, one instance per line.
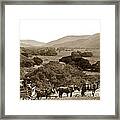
pixel 59 59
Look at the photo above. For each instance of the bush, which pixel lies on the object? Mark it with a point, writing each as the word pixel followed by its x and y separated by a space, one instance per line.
pixel 66 59
pixel 75 55
pixel 96 67
pixel 47 52
pixel 22 73
pixel 56 74
pixel 79 62
pixel 83 63
pixel 37 60
pixel 25 54
pixel 51 52
pixel 25 62
pixel 79 54
pixel 87 54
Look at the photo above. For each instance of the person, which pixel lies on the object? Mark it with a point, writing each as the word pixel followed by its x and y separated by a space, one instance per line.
pixel 70 93
pixel 46 95
pixel 83 90
pixel 71 90
pixel 94 88
pixel 53 90
pixel 93 93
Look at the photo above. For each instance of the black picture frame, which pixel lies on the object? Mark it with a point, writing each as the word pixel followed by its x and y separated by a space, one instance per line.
pixel 55 2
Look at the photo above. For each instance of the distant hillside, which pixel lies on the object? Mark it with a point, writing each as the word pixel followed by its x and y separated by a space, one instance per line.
pixel 82 41
pixel 85 41
pixel 67 39
pixel 30 43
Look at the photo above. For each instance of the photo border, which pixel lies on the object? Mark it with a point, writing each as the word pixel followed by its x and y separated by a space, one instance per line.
pixel 55 2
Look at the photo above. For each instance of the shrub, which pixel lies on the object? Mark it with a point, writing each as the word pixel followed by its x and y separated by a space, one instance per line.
pixel 66 59
pixel 25 62
pixel 96 67
pixel 37 60
pixel 87 54
pixel 79 62
pixel 75 55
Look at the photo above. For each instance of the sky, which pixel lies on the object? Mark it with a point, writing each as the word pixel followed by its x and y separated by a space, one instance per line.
pixel 50 29
pixel 46 23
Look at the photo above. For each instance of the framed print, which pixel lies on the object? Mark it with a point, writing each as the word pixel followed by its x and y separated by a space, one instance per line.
pixel 59 59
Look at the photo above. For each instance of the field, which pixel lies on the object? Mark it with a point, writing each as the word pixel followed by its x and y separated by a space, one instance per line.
pixel 92 60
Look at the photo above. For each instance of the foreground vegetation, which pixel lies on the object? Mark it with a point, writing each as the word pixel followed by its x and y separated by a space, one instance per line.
pixel 66 71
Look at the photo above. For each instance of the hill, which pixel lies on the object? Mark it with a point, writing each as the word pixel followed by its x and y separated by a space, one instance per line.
pixel 30 43
pixel 67 39
pixel 86 41
pixel 82 41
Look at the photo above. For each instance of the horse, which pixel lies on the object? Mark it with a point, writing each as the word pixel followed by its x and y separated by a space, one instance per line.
pixel 43 93
pixel 76 88
pixel 66 90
